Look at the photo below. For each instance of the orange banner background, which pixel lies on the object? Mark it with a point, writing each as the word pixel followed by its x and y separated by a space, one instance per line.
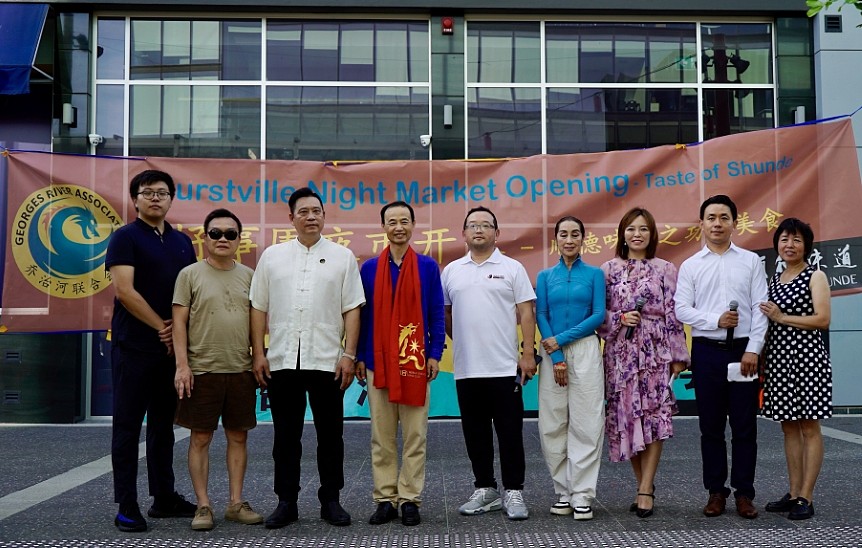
pixel 808 171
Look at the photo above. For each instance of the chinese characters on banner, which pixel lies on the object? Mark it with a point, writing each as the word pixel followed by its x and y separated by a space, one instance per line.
pixel 62 209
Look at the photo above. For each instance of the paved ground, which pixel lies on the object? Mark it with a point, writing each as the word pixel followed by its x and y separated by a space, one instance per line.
pixel 56 490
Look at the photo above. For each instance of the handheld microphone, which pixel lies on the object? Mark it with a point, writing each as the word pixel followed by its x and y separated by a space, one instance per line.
pixel 639 304
pixel 732 306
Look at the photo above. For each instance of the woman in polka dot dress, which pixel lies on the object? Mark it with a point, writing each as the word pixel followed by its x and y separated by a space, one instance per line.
pixel 798 389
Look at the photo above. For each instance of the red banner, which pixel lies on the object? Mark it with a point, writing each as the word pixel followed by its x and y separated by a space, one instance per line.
pixel 62 209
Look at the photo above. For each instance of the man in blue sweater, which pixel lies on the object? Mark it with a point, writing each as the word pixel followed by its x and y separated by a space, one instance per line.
pixel 400 345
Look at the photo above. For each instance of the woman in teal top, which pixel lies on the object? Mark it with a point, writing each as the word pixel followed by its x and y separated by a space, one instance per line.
pixel 570 306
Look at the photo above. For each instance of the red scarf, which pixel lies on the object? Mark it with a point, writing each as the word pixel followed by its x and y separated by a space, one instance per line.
pixel 399 333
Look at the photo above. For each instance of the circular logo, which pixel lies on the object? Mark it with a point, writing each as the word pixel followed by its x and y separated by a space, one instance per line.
pixel 60 238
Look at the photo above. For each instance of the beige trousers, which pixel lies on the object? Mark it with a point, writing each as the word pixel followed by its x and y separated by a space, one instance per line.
pixel 389 484
pixel 572 421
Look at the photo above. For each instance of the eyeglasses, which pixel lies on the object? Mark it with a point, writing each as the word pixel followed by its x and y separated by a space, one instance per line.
pixel 484 227
pixel 150 194
pixel 229 234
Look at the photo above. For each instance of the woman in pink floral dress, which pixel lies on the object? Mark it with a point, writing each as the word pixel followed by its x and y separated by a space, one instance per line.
pixel 639 367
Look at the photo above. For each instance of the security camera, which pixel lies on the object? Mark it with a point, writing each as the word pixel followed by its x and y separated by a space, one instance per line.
pixel 425 141
pixel 95 139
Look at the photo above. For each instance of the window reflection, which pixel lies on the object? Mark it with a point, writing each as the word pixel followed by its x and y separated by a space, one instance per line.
pixel 728 111
pixel 731 50
pixel 503 52
pixel 597 120
pixel 196 50
pixel 195 121
pixel 504 122
pixel 620 52
pixel 108 124
pixel 359 51
pixel 346 123
pixel 110 51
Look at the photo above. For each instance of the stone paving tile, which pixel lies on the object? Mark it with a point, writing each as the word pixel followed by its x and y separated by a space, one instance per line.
pixel 83 516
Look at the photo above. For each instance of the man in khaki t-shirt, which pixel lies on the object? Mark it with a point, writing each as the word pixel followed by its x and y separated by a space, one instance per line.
pixel 214 377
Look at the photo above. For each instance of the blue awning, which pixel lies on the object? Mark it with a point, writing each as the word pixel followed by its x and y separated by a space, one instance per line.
pixel 20 30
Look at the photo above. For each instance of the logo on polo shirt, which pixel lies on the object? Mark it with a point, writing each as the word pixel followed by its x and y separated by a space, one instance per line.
pixel 60 238
pixel 496 277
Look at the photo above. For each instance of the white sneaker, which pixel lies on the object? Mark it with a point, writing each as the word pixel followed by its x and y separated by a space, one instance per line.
pixel 484 499
pixel 562 507
pixel 514 505
pixel 583 512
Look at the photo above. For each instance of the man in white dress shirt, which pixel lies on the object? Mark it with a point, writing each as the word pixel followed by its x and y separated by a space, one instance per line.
pixel 717 294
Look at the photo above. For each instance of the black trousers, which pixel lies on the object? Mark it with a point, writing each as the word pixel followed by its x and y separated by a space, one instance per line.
pixel 486 403
pixel 718 400
pixel 288 390
pixel 143 385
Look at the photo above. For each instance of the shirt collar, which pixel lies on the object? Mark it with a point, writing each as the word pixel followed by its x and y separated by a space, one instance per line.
pixel 496 257
pixel 316 245
pixel 562 263
pixel 704 251
pixel 147 226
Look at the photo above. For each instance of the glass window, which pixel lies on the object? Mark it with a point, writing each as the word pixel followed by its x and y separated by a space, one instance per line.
pixel 146 55
pixel 504 122
pixel 195 50
pixel 727 111
pixel 596 120
pixel 109 118
pixel 503 52
pixel 346 123
pixel 111 49
pixel 354 51
pixel 195 121
pixel 620 52
pixel 736 53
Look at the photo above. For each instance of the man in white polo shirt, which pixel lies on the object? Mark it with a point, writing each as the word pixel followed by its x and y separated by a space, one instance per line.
pixel 486 295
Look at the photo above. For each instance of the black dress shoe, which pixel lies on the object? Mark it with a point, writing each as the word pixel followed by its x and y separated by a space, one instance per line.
pixel 802 509
pixel 784 504
pixel 334 514
pixel 385 513
pixel 286 512
pixel 410 514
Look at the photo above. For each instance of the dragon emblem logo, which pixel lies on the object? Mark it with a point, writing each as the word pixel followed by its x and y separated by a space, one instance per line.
pixel 60 238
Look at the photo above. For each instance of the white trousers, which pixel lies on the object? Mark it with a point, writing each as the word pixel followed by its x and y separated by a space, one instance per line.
pixel 572 421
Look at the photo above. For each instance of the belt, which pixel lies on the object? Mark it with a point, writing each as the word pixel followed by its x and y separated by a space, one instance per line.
pixel 741 342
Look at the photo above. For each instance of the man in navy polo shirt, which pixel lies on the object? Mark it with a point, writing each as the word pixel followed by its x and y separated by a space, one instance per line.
pixel 144 259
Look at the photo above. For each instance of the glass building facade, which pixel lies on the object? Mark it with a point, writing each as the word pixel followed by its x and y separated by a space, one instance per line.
pixel 314 89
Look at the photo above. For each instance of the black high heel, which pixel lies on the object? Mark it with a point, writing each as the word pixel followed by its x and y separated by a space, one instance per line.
pixel 634 506
pixel 645 512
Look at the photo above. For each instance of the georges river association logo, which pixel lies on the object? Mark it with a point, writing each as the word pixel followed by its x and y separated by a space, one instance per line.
pixel 60 238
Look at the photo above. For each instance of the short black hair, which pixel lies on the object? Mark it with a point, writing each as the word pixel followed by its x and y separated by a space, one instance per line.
pixel 792 225
pixel 218 214
pixel 396 204
pixel 478 209
pixel 300 193
pixel 721 199
pixel 149 177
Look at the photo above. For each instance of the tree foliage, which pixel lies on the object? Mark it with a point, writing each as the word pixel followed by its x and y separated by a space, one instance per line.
pixel 816 6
